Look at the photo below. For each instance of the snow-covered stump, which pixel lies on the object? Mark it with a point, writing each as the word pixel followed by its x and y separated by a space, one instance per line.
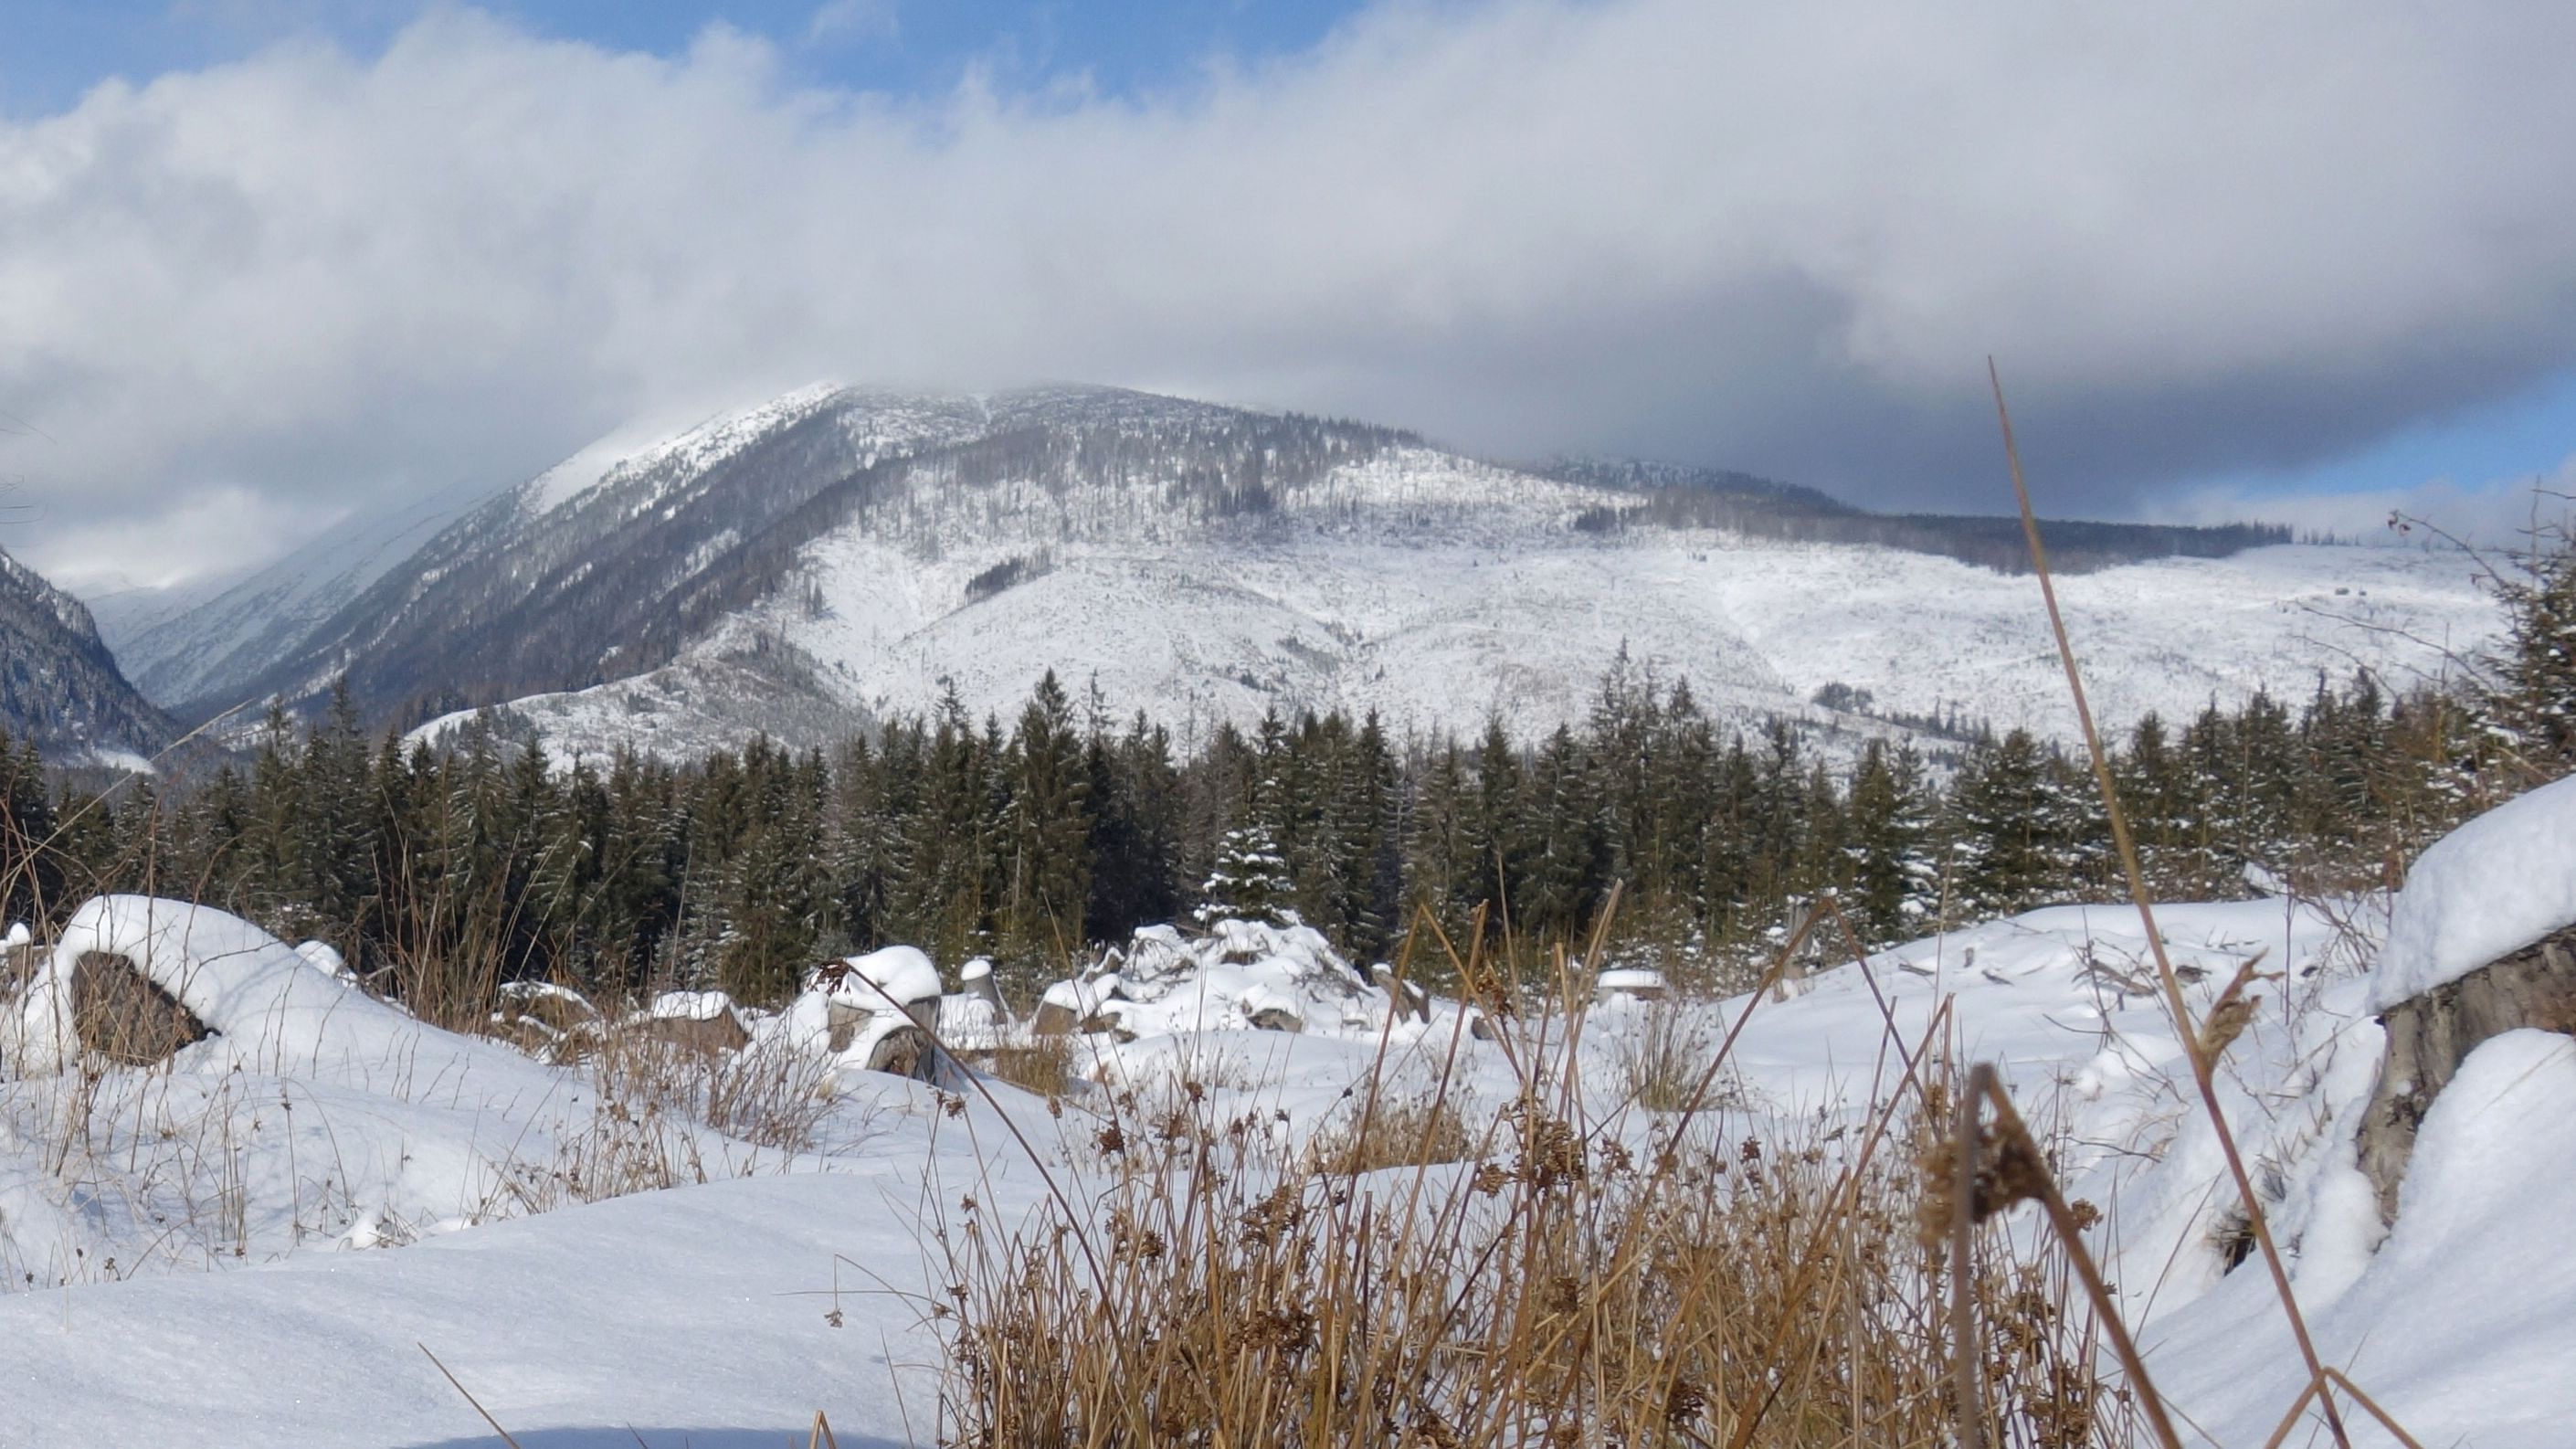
pixel 2481 942
pixel 20 959
pixel 975 979
pixel 2431 1034
pixel 875 1011
pixel 705 1022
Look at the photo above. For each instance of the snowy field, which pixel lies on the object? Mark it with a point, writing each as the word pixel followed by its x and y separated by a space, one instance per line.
pixel 254 1244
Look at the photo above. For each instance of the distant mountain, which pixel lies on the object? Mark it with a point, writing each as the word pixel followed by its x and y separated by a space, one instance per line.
pixel 1670 496
pixel 824 558
pixel 58 683
pixel 200 642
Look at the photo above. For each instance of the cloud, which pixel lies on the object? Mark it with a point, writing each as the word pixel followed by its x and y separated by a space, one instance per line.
pixel 2201 238
pixel 843 21
pixel 2501 515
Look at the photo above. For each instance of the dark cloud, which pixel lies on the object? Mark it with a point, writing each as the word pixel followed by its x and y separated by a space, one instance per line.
pixel 1774 236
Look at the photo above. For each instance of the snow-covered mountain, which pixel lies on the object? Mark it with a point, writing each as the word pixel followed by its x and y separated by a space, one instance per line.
pixel 59 685
pixel 836 554
pixel 198 640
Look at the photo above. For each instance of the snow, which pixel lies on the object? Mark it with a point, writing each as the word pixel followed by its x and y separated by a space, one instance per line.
pixel 324 957
pixel 699 1314
pixel 2460 1325
pixel 903 973
pixel 690 1006
pixel 2488 889
pixel 655 443
pixel 694 1316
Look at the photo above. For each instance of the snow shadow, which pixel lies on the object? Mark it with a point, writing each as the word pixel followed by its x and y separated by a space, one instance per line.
pixel 623 1436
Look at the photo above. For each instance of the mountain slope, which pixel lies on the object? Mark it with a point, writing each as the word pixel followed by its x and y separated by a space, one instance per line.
pixel 201 642
pixel 59 685
pixel 609 566
pixel 817 561
pixel 1207 564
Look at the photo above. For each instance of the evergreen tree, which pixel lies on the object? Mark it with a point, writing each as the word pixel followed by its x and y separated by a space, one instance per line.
pixel 1892 874
pixel 1047 881
pixel 2531 703
pixel 2004 840
pixel 1250 882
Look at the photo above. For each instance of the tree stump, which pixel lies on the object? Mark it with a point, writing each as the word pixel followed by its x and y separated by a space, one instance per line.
pixel 2431 1034
pixel 1411 1002
pixel 124 1016
pixel 19 962
pixel 906 1051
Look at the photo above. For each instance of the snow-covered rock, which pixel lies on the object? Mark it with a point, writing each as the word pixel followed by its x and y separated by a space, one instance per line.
pixel 2489 888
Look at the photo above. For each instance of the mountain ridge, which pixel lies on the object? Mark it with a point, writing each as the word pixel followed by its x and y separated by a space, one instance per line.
pixel 59 684
pixel 824 557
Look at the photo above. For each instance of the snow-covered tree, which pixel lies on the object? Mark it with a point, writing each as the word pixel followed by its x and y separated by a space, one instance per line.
pixel 1251 880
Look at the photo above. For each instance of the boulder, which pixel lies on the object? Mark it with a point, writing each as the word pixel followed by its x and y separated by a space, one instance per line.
pixel 702 1021
pixel 975 978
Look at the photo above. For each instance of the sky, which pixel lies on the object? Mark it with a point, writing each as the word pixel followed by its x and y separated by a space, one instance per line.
pixel 266 263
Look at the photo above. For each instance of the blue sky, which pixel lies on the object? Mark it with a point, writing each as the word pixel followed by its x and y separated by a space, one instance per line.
pixel 56 49
pixel 2306 260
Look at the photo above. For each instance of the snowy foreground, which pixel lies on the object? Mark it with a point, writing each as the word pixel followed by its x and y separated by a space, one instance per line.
pixel 237 1189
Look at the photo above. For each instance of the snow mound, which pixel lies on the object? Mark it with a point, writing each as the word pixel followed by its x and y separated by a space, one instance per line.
pixel 2487 889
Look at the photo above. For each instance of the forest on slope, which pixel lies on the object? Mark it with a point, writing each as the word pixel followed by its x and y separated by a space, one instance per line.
pixel 1036 840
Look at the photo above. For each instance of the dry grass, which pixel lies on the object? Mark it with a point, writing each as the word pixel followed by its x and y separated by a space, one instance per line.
pixel 1397 1135
pixel 1562 1280
pixel 1664 1059
pixel 1046 1066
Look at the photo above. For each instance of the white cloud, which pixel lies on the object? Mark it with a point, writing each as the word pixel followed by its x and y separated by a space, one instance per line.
pixel 844 21
pixel 2501 515
pixel 1776 235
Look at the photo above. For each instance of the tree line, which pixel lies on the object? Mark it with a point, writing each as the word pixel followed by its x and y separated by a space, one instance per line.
pixel 1033 842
